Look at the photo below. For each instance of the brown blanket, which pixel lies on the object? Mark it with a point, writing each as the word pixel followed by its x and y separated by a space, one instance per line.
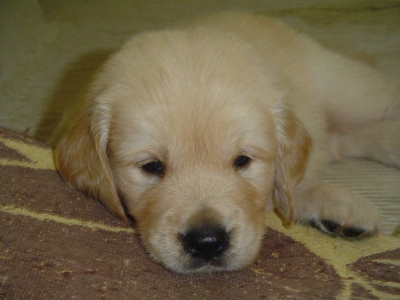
pixel 55 243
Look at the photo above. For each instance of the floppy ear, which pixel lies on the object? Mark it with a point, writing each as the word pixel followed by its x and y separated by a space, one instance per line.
pixel 293 152
pixel 81 158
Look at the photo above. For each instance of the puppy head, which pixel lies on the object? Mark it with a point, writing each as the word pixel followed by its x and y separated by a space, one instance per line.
pixel 187 129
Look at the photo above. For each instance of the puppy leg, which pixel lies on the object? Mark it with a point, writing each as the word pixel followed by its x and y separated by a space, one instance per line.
pixel 362 108
pixel 371 129
pixel 334 210
pixel 379 141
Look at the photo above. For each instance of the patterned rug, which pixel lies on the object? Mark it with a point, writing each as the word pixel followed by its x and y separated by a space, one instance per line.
pixel 55 243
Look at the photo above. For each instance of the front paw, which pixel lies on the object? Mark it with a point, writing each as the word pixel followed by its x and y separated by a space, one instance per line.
pixel 350 232
pixel 335 211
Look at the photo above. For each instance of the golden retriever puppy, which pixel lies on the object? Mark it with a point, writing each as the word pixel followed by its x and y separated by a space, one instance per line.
pixel 198 131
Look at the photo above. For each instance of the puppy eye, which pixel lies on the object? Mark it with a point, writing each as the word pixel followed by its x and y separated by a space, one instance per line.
pixel 241 161
pixel 153 168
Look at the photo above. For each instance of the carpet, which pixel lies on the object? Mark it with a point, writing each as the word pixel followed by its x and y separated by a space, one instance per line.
pixel 55 243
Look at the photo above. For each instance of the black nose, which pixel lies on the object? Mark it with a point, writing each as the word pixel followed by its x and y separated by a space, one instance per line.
pixel 205 242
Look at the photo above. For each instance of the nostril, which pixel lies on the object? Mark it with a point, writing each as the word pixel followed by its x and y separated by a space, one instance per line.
pixel 206 242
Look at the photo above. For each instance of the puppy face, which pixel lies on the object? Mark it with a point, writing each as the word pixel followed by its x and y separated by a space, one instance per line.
pixel 195 167
pixel 187 129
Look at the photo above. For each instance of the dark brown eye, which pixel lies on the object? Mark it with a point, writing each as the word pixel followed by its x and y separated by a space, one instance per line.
pixel 153 168
pixel 241 161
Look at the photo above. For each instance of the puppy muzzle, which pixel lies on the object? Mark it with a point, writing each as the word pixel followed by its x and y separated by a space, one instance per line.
pixel 205 245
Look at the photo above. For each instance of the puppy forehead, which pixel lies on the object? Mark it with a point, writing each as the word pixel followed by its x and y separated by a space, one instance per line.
pixel 185 95
pixel 183 129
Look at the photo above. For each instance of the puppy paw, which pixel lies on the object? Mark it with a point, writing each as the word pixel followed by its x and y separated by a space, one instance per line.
pixel 346 232
pixel 335 211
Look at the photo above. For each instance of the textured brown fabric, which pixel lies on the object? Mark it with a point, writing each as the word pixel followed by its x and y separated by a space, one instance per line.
pixel 55 243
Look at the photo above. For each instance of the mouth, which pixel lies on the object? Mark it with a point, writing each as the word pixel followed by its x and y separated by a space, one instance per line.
pixel 202 266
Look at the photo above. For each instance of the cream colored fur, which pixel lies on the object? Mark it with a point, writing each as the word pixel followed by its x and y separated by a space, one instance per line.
pixel 195 98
